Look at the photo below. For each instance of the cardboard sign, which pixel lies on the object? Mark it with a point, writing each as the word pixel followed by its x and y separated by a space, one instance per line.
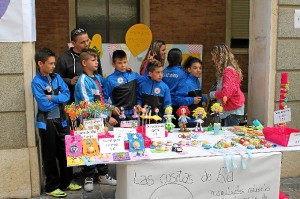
pixel 129 124
pixel 294 139
pixel 138 38
pixel 95 123
pixel 85 134
pixel 111 145
pixel 201 178
pixel 155 130
pixel 122 132
pixel 282 116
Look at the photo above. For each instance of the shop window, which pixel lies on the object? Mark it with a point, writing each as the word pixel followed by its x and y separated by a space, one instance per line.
pixel 109 18
pixel 238 16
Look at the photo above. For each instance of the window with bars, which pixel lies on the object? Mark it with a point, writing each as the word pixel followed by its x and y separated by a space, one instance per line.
pixel 109 18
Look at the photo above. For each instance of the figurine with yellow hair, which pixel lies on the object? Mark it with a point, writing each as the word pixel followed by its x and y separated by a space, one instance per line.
pixel 217 110
pixel 199 114
pixel 168 116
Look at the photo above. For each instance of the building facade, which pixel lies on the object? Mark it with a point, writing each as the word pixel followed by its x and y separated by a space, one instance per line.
pixel 273 48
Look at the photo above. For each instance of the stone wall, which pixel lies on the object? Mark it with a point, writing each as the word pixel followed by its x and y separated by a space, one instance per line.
pixel 288 50
pixel 19 168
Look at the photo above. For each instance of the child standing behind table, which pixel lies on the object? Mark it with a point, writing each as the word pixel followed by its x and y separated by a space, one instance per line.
pixel 228 92
pixel 121 86
pixel 89 88
pixel 174 73
pixel 154 92
pixel 50 92
pixel 189 91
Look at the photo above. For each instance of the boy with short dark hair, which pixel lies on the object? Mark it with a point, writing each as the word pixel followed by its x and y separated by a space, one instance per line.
pixel 153 91
pixel 121 86
pixel 50 93
pixel 89 88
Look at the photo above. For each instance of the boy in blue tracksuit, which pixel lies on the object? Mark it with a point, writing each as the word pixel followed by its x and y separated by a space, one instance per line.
pixel 89 88
pixel 121 86
pixel 154 92
pixel 50 92
pixel 189 91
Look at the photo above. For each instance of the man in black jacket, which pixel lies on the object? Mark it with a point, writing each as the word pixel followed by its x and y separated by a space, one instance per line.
pixel 68 65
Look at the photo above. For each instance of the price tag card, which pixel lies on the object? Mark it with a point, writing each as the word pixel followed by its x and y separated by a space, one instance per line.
pixel 155 130
pixel 87 134
pixel 96 123
pixel 282 116
pixel 129 124
pixel 122 132
pixel 111 145
pixel 294 139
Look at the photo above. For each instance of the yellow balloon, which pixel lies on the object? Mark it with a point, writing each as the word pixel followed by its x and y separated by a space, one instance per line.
pixel 138 38
pixel 96 44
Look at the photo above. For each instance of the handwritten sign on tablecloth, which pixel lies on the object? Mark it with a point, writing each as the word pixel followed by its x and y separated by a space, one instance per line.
pixel 201 178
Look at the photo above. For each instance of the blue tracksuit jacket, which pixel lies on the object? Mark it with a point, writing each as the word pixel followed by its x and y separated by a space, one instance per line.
pixel 121 88
pixel 172 76
pixel 86 89
pixel 189 88
pixel 61 94
pixel 154 94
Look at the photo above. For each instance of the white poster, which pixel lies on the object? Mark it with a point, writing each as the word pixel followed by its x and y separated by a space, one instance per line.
pixel 135 62
pixel 201 178
pixel 17 21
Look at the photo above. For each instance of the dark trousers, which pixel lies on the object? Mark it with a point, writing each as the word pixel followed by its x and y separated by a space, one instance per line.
pixel 89 171
pixel 58 175
pixel 232 120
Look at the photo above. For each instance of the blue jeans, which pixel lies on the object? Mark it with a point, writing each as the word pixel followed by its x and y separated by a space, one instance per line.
pixel 232 120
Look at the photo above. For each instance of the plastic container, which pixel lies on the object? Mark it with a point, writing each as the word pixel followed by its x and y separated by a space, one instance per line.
pixel 280 135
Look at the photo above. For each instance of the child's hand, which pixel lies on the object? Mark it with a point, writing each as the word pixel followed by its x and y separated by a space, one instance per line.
pixel 116 111
pixel 197 100
pixel 49 97
pixel 112 121
pixel 128 69
pixel 203 104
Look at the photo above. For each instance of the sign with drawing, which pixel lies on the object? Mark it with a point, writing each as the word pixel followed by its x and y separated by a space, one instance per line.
pixel 199 178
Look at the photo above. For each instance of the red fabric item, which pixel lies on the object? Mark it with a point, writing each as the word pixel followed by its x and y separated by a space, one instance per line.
pixel 282 196
pixel 231 88
pixel 100 90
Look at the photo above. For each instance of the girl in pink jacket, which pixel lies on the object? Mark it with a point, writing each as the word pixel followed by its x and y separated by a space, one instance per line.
pixel 228 91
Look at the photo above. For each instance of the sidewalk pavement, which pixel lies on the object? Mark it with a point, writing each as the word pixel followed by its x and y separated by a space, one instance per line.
pixel 290 186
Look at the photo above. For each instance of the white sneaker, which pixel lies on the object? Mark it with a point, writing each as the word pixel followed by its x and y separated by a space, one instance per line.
pixel 88 184
pixel 107 180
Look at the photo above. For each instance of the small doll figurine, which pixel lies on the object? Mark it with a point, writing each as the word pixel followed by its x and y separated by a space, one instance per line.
pixel 144 114
pixel 156 116
pixel 183 112
pixel 148 113
pixel 135 112
pixel 199 114
pixel 217 110
pixel 168 116
pixel 122 115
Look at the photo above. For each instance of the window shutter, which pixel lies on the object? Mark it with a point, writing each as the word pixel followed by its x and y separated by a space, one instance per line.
pixel 240 14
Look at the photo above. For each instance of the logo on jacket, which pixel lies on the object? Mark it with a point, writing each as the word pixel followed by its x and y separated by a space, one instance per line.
pixel 120 80
pixel 157 90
